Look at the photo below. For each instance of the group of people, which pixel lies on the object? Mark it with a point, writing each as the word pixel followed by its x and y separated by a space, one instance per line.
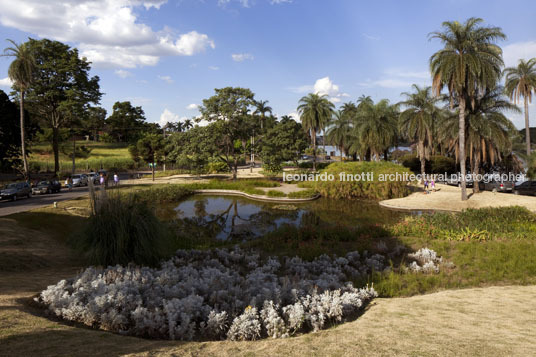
pixel 429 185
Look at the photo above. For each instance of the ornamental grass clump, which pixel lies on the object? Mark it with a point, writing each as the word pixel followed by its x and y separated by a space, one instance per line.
pixel 216 294
pixel 121 229
pixel 368 180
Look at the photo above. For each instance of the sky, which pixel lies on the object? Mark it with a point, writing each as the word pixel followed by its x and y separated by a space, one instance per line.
pixel 167 56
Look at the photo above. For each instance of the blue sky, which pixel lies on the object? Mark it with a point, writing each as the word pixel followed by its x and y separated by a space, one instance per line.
pixel 168 55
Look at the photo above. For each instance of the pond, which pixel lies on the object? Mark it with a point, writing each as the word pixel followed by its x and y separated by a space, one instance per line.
pixel 238 218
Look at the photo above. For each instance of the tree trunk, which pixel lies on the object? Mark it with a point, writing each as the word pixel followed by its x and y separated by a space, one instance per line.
pixel 314 150
pixel 527 127
pixel 235 168
pixel 386 155
pixel 55 148
pixel 342 151
pixel 23 139
pixel 476 171
pixel 152 167
pixel 422 158
pixel 461 142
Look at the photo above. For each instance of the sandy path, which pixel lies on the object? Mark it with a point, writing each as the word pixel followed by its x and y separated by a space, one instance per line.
pixel 447 198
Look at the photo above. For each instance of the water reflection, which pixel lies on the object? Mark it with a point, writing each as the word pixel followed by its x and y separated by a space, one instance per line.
pixel 230 217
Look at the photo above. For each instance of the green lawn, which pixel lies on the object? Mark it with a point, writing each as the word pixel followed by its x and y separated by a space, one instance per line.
pixel 106 155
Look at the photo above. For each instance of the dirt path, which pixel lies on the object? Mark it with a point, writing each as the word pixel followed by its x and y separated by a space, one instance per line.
pixel 447 198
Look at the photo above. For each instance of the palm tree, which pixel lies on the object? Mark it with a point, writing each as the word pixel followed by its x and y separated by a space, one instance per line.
pixel 520 81
pixel 339 132
pixel 188 124
pixel 469 63
pixel 262 108
pixel 416 122
pixel 375 129
pixel 20 72
pixel 488 131
pixel 315 111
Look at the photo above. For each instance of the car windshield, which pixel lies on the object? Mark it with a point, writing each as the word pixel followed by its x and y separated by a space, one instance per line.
pixel 11 185
pixel 42 183
pixel 76 176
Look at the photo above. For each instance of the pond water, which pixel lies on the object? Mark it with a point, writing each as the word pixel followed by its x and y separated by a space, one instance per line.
pixel 232 217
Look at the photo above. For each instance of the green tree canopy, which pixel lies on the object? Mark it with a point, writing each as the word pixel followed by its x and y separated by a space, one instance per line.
pixel 285 141
pixel 229 111
pixel 126 123
pixel 62 89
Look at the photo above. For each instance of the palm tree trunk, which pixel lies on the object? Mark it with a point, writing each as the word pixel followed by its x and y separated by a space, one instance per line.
pixel 22 138
pixel 152 166
pixel 476 171
pixel 314 149
pixel 462 148
pixel 422 158
pixel 527 127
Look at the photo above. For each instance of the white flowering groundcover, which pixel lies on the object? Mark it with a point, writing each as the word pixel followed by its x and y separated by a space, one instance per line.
pixel 216 294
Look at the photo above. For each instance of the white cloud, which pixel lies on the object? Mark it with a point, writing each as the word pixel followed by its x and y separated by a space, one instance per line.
pixel 213 68
pixel 168 116
pixel 240 57
pixel 322 86
pixel 370 37
pixel 513 52
pixel 192 106
pixel 122 73
pixel 166 79
pixel 6 82
pixel 108 32
pixel 294 115
pixel 279 1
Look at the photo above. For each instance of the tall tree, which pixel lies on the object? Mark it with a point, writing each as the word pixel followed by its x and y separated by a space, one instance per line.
pixel 61 87
pixel 20 72
pixel 150 148
pixel 95 121
pixel 315 112
pixel 338 133
pixel 374 129
pixel 416 121
pixel 285 141
pixel 488 131
pixel 261 109
pixel 126 122
pixel 229 109
pixel 520 81
pixel 469 62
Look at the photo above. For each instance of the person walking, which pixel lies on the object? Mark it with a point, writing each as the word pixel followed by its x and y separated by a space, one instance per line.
pixel 101 180
pixel 432 185
pixel 116 179
pixel 70 183
pixel 426 186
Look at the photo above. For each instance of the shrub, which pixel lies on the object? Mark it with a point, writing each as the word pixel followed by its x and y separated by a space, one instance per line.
pixel 436 165
pixel 275 193
pixel 375 189
pixel 471 225
pixel 167 193
pixel 121 229
pixel 302 194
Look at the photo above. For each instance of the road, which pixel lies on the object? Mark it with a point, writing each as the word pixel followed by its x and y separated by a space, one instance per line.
pixel 38 201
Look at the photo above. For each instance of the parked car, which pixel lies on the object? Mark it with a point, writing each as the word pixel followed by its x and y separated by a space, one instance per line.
pixel 16 190
pixel 46 187
pixel 525 188
pixel 455 181
pixel 78 180
pixel 496 186
pixel 93 176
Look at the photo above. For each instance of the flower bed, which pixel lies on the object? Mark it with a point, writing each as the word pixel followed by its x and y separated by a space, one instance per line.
pixel 217 294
